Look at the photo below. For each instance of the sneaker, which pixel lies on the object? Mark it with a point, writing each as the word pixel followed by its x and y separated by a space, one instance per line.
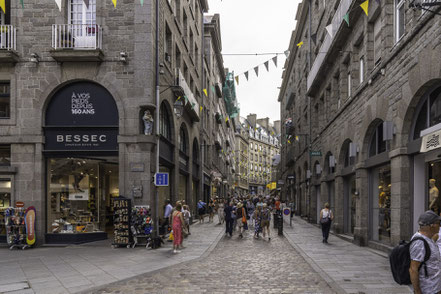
pixel 269 239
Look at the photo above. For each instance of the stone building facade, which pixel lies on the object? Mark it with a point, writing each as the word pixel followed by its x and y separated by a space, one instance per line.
pixel 263 142
pixel 365 96
pixel 77 99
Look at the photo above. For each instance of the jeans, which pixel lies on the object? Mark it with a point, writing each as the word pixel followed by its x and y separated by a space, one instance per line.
pixel 325 230
pixel 229 226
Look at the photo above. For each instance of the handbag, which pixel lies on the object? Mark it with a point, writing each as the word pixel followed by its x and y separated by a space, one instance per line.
pixel 244 219
pixel 185 231
pixel 325 220
pixel 245 226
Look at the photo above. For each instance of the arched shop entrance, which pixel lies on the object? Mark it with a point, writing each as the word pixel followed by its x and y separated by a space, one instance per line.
pixel 81 154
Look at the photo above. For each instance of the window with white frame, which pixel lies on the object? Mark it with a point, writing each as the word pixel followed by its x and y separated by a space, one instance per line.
pixel 349 84
pixel 361 69
pixel 399 19
pixel 80 13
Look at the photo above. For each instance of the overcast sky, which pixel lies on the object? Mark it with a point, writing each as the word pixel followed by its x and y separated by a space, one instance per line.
pixel 256 26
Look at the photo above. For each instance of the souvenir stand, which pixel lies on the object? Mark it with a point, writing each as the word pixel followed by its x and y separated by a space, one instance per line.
pixel 141 225
pixel 20 227
pixel 121 221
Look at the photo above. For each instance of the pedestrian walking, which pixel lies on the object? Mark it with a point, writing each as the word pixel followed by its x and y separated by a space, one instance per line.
pixel 228 211
pixel 326 218
pixel 250 208
pixel 220 212
pixel 427 278
pixel 257 221
pixel 240 218
pixel 168 208
pixel 210 211
pixel 177 224
pixel 201 210
pixel 187 216
pixel 265 223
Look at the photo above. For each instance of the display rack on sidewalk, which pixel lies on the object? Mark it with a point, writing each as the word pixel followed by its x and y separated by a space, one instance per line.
pixel 20 227
pixel 121 222
pixel 141 225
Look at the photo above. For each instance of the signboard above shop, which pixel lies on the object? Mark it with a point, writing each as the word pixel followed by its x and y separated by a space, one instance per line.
pixel 82 104
pixel 81 116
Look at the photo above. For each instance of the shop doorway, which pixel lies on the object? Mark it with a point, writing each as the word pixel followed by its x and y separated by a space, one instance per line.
pixel 80 194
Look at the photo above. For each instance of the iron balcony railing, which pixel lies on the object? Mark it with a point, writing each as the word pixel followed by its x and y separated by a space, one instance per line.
pixel 76 36
pixel 7 37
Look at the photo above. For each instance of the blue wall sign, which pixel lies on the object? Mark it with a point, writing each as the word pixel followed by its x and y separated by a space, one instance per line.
pixel 161 179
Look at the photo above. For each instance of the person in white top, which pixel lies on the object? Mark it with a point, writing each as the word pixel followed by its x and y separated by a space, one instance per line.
pixel 326 217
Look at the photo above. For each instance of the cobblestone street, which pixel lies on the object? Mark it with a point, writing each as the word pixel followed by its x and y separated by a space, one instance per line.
pixel 235 266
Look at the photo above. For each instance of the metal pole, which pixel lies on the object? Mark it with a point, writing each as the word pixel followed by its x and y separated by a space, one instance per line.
pixel 201 132
pixel 157 118
pixel 310 119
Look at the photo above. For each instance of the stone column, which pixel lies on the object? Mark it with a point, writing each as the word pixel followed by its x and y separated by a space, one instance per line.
pixel 339 210
pixel 29 183
pixel 361 230
pixel 401 220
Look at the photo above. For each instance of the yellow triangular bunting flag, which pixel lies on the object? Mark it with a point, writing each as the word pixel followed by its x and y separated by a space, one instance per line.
pixel 300 44
pixel 114 2
pixel 365 6
pixel 200 108
pixel 3 5
pixel 237 79
pixel 205 92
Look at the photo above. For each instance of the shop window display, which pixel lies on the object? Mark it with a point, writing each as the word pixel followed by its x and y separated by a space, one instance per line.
pixel 80 195
pixel 382 204
pixel 433 200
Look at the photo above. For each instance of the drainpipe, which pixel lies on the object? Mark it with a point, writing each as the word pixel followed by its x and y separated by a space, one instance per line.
pixel 157 118
pixel 201 127
pixel 310 112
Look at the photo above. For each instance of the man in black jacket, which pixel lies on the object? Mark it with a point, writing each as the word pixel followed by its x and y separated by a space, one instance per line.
pixel 228 210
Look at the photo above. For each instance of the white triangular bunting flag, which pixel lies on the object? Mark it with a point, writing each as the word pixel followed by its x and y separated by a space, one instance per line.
pixel 58 4
pixel 246 75
pixel 275 60
pixel 256 69
pixel 329 30
pixel 267 65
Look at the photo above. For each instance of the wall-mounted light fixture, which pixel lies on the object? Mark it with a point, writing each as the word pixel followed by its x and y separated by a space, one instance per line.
pixel 123 56
pixel 34 58
pixel 178 108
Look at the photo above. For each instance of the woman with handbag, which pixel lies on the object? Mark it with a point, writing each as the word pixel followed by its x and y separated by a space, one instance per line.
pixel 241 218
pixel 326 217
pixel 257 221
pixel 178 223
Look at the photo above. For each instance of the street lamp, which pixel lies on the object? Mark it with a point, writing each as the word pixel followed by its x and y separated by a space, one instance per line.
pixel 178 107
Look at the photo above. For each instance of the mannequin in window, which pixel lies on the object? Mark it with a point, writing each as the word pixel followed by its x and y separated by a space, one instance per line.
pixel 433 196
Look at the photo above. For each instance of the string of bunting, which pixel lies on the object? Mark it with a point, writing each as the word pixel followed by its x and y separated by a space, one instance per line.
pixel 58 2
pixel 256 68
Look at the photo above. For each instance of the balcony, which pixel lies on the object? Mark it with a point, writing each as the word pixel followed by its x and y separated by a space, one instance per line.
pixel 325 49
pixel 191 105
pixel 77 42
pixel 8 44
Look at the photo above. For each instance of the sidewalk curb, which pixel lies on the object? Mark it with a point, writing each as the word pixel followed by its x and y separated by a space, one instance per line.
pixel 205 254
pixel 311 262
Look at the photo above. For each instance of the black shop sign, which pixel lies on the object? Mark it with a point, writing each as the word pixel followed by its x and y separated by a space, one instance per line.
pixel 81 116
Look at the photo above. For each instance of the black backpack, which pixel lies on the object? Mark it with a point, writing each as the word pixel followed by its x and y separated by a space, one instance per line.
pixel 399 260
